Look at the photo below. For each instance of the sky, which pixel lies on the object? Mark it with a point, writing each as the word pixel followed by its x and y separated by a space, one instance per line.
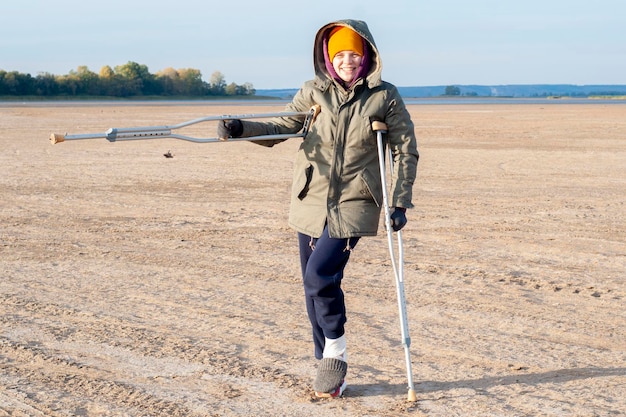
pixel 269 43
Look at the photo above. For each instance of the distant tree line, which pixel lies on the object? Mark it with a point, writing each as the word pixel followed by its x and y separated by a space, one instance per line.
pixel 128 80
pixel 530 91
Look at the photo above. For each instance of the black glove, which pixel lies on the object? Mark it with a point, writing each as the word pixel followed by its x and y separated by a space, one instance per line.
pixel 398 218
pixel 229 129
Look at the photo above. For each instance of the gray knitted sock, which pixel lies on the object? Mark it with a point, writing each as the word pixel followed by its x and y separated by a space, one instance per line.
pixel 330 374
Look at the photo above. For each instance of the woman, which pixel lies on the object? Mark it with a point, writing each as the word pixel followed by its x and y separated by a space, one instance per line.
pixel 337 192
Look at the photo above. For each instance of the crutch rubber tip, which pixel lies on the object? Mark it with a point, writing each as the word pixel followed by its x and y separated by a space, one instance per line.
pixel 56 138
pixel 412 397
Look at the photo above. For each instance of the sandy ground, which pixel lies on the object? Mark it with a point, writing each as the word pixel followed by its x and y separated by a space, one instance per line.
pixel 138 285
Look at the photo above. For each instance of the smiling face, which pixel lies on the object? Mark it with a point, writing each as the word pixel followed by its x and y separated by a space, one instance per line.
pixel 346 65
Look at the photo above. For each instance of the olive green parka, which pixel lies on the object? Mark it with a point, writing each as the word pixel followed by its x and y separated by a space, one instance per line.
pixel 336 179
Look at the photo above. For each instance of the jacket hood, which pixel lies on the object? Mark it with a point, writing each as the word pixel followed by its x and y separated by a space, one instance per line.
pixel 373 78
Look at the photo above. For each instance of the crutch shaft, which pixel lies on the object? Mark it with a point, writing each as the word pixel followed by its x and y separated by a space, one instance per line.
pixel 165 131
pixel 398 267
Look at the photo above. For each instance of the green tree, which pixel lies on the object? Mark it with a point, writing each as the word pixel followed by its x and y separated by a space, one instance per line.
pixel 217 84
pixel 169 80
pixel 87 82
pixel 111 84
pixel 452 90
pixel 191 82
pixel 137 79
pixel 17 83
pixel 231 89
pixel 106 72
pixel 46 85
pixel 247 89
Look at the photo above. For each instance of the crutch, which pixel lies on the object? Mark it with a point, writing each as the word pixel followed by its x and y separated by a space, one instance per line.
pixel 398 265
pixel 158 132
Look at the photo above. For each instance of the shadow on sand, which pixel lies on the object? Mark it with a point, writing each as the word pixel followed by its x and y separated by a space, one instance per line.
pixel 480 384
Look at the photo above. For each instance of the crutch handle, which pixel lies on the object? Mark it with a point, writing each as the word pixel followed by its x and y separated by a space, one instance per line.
pixel 315 109
pixel 310 118
pixel 378 126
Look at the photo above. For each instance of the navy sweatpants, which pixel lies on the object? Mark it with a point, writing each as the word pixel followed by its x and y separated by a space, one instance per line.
pixel 323 261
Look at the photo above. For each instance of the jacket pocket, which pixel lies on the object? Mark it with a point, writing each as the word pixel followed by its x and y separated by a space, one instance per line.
pixel 303 181
pixel 373 186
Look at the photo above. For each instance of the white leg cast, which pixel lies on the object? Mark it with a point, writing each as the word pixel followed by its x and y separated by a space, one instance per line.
pixel 336 348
